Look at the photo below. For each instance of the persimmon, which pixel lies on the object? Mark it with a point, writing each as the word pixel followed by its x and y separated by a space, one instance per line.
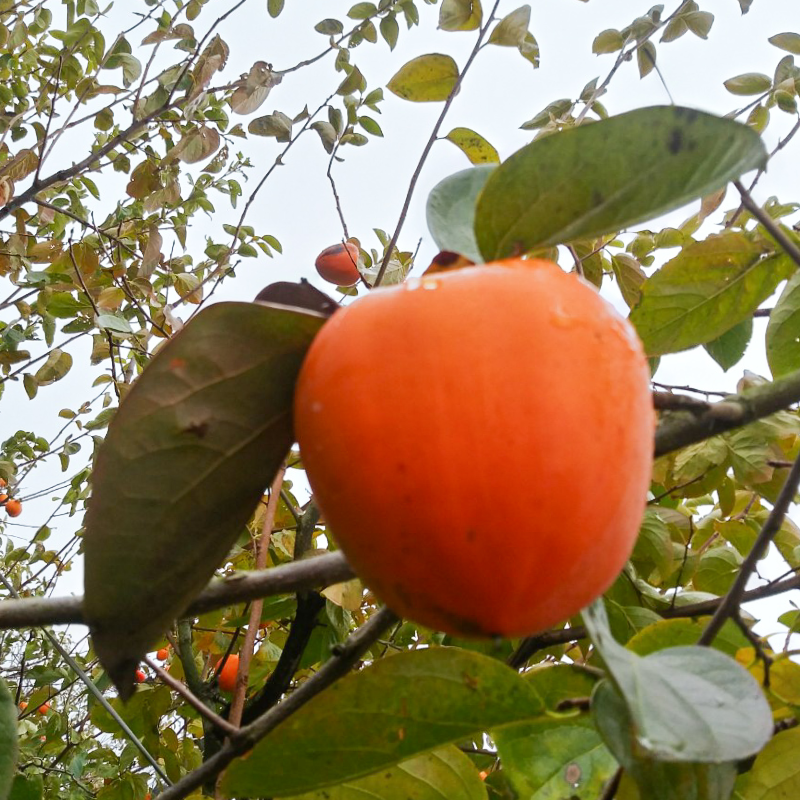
pixel 496 478
pixel 227 675
pixel 339 264
pixel 162 654
pixel 140 676
pixel 13 507
pixel 43 708
pixel 23 705
pixel 3 499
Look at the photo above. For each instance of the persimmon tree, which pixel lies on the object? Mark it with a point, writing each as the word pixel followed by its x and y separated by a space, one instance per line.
pixel 128 180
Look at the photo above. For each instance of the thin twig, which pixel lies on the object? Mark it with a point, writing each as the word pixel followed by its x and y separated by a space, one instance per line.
pixel 429 145
pixel 729 606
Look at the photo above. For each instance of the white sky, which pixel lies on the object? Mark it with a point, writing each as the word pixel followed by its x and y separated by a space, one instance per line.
pixel 500 93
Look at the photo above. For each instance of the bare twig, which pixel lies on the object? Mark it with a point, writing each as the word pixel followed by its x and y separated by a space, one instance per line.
pixel 429 144
pixel 729 606
pixel 297 576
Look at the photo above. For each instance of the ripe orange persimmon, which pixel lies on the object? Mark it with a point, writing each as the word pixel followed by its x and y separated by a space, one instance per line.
pixel 339 264
pixel 496 478
pixel 23 705
pixel 162 654
pixel 43 708
pixel 13 507
pixel 140 676
pixel 227 675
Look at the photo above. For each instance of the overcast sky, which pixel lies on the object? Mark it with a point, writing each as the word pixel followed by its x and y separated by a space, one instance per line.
pixel 500 93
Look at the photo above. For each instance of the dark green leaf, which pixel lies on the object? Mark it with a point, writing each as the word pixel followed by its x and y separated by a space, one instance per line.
pixel 8 739
pixel 188 455
pixel 594 179
pixel 396 708
pixel 728 349
pixel 706 289
pixel 274 7
pixel 277 125
pixel 27 787
pixel 783 330
pixel 451 211
pixel 444 774
pixel 330 27
pixel 390 30
pixel 425 79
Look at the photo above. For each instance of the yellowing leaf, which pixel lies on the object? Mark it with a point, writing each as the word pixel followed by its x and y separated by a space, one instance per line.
pixel 425 79
pixel 477 149
pixel 511 30
pixel 460 15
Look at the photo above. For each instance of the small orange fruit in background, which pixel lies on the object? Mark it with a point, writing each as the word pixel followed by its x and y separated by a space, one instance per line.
pixel 339 264
pixel 140 676
pixel 484 774
pixel 497 476
pixel 13 507
pixel 162 654
pixel 23 705
pixel 43 708
pixel 227 675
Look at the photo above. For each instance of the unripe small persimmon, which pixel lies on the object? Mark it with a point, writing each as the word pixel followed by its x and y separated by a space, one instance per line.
pixel 227 675
pixel 13 507
pixel 162 654
pixel 339 264
pixel 497 476
pixel 140 676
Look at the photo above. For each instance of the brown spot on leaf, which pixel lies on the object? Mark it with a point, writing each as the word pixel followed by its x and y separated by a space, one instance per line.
pixel 177 363
pixel 572 773
pixel 675 143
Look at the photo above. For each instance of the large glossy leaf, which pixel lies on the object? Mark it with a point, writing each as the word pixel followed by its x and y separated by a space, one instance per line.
pixel 8 740
pixel 656 780
pixel 783 330
pixel 445 774
pixel 595 179
pixel 397 708
pixel 688 704
pixel 186 459
pixel 451 210
pixel 556 755
pixel 704 291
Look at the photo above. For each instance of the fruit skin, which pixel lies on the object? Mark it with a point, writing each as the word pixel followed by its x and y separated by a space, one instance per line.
pixel 13 507
pixel 23 705
pixel 43 708
pixel 496 477
pixel 338 264
pixel 140 676
pixel 3 498
pixel 227 675
pixel 162 654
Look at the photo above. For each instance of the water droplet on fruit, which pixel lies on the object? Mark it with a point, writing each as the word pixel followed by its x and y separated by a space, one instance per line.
pixel 561 318
pixel 429 283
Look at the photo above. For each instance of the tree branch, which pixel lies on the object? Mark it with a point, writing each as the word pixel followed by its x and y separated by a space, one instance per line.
pixel 298 576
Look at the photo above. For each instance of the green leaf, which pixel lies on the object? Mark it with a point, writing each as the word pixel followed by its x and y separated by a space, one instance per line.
pixel 783 330
pixel 354 82
pixel 511 30
pixel 329 27
pixel 445 774
pixel 717 570
pixel 646 59
pixel 687 704
pixel 460 15
pixel 362 11
pixel 728 349
pixel 707 288
pixel 185 461
pixel 277 125
pixel 787 41
pixel 608 41
pixel 654 778
pixel 425 79
pixel 477 149
pixel 30 385
pixel 274 7
pixel 450 211
pixel 776 772
pixel 8 739
pixel 398 707
pixel 630 277
pixel 595 179
pixel 27 787
pixel 748 83
pixel 683 632
pixel 57 365
pixel 390 30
